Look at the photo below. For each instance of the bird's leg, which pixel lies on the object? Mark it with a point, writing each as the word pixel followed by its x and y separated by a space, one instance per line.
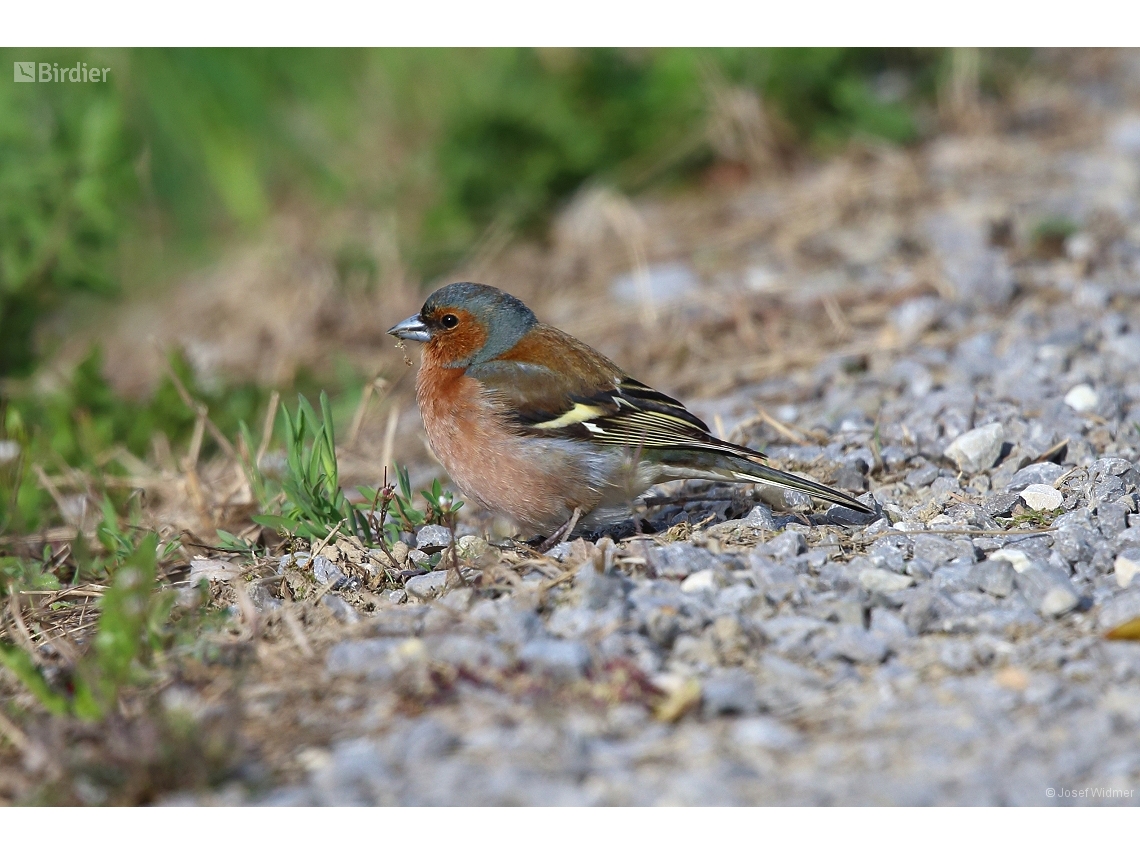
pixel 561 533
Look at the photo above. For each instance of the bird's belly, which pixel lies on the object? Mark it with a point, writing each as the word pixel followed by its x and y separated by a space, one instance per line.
pixel 535 481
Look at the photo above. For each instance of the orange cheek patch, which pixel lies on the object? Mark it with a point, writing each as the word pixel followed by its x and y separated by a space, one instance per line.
pixel 449 346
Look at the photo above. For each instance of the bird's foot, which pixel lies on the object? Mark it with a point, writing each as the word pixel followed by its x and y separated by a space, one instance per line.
pixel 561 533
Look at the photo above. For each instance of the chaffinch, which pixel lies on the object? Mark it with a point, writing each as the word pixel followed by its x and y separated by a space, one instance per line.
pixel 538 426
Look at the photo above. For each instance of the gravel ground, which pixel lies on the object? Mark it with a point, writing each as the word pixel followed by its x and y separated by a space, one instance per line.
pixel 951 652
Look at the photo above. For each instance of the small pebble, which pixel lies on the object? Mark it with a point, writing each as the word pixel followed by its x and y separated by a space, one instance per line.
pixel 875 580
pixel 702 580
pixel 978 449
pixel 1126 567
pixel 432 538
pixel 1042 497
pixel 1082 398
pixel 428 586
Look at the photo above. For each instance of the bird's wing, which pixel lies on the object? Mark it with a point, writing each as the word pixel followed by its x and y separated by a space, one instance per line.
pixel 577 393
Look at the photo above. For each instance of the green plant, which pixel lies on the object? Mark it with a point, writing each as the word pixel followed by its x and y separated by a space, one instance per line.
pixel 132 618
pixel 25 574
pixel 66 172
pixel 442 509
pixel 313 503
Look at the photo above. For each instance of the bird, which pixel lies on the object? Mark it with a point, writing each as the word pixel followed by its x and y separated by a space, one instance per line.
pixel 539 427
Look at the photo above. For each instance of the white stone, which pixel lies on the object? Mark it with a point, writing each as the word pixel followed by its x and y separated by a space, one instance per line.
pixel 876 580
pixel 213 569
pixel 977 449
pixel 1042 497
pixel 1017 559
pixel 1080 246
pixel 702 580
pixel 1082 398
pixel 1058 601
pixel 1126 570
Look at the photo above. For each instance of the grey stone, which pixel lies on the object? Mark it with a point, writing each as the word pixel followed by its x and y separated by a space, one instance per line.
pixel 957 656
pixel 999 504
pixel 601 590
pixel 1110 466
pixel 790 634
pixel 886 624
pixel 427 739
pixel 994 577
pixel 564 660
pixel 408 620
pixel 784 546
pixel 1112 518
pixel 760 518
pixel 857 645
pixel 679 560
pixel 476 654
pixel 927 609
pixel 1047 589
pixel 341 610
pixel 428 586
pixel 978 449
pixel 1074 543
pixel 325 571
pixel 851 480
pixel 888 556
pixel 765 732
pixel 877 581
pixel 941 550
pixel 1036 473
pixel 729 692
pixel 419 558
pixel 261 597
pixel 978 272
pixel 368 658
pixel 433 538
pixel 954 578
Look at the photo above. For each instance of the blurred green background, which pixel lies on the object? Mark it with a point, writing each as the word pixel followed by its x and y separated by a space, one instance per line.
pixel 115 188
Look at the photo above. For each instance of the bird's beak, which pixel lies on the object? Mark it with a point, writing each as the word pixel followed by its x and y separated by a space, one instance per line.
pixel 412 329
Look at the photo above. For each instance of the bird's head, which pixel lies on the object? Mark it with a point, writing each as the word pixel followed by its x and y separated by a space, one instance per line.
pixel 465 323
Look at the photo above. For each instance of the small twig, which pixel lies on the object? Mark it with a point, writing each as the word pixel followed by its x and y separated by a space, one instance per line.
pixel 454 577
pixel 781 428
pixel 328 537
pixel 1056 449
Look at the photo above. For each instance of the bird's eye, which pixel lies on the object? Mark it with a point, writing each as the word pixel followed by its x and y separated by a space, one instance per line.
pixel 449 321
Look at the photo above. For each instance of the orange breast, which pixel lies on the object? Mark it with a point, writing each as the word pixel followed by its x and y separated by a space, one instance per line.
pixel 521 478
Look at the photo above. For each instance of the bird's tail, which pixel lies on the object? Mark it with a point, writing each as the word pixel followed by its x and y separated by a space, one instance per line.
pixel 738 467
